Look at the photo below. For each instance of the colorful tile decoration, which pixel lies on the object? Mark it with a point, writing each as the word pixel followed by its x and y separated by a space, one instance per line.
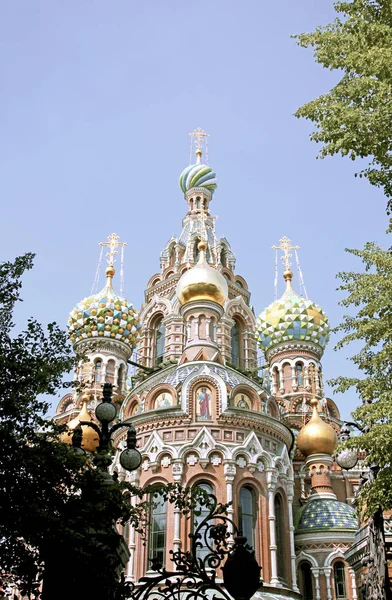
pixel 104 315
pixel 327 514
pixel 292 318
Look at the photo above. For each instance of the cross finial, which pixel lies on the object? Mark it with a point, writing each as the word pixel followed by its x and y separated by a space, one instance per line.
pixel 285 246
pixel 200 138
pixel 112 243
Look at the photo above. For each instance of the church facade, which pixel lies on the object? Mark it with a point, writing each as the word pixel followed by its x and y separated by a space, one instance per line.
pixel 223 400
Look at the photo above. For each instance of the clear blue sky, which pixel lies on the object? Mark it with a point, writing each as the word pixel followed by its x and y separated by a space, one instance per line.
pixel 96 102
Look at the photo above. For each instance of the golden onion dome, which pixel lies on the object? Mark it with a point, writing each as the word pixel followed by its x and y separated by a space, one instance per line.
pixel 202 282
pixel 90 440
pixel 317 437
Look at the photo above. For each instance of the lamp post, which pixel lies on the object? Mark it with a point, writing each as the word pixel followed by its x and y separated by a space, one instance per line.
pixel 130 458
pixel 375 581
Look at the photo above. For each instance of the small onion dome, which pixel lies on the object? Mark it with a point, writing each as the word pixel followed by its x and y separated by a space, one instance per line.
pixel 317 437
pixel 198 175
pixel 292 318
pixel 202 282
pixel 105 315
pixel 90 440
pixel 326 514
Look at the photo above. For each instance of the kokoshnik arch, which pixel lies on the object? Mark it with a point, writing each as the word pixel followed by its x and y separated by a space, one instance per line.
pixel 207 415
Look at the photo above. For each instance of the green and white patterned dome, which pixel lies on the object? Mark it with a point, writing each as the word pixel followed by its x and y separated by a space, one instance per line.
pixel 292 318
pixel 198 175
pixel 105 315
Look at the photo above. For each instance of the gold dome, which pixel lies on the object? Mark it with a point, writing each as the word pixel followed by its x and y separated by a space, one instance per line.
pixel 202 282
pixel 90 440
pixel 317 437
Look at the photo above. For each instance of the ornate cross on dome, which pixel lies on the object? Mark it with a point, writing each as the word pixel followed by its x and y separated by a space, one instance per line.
pixel 199 137
pixel 285 246
pixel 112 243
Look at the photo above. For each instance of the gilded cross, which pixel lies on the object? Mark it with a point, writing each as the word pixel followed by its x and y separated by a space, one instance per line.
pixel 113 243
pixel 285 246
pixel 199 136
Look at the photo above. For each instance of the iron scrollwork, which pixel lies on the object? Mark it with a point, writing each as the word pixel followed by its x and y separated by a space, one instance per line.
pixel 195 571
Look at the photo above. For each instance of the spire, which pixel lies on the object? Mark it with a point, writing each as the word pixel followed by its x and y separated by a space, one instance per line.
pixel 285 246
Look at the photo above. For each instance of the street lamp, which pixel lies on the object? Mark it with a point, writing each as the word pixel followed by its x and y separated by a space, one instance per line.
pixel 130 458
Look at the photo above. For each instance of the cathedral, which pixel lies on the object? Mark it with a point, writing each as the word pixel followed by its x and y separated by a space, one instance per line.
pixel 224 400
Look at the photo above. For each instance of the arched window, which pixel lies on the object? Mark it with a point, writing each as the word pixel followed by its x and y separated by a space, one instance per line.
pixel 280 536
pixel 110 371
pixel 305 581
pixel 299 374
pixel 236 344
pixel 159 345
pixel 198 518
pixel 212 329
pixel 98 371
pixel 247 514
pixel 340 580
pixel 157 534
pixel 198 202
pixel 121 377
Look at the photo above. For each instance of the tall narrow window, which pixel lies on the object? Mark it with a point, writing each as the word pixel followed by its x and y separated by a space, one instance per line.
pixel 159 349
pixel 97 371
pixel 235 344
pixel 198 202
pixel 197 519
pixel 247 514
pixel 121 377
pixel 305 581
pixel 299 374
pixel 280 536
pixel 340 580
pixel 157 535
pixel 110 371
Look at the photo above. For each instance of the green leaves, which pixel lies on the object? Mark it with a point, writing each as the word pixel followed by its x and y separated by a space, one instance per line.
pixel 353 119
pixel 370 294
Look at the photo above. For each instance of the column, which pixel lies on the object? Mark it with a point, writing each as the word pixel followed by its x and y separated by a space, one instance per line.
pixel 316 575
pixel 246 348
pixel 327 572
pixel 133 477
pixel 290 497
pixel 229 470
pixel 177 470
pixel 271 480
pixel 177 525
pixel 353 583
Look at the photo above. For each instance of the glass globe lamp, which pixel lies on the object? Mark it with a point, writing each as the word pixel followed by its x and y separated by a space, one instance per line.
pixel 347 459
pixel 130 459
pixel 105 412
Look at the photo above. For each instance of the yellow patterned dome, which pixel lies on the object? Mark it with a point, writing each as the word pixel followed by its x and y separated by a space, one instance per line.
pixel 317 437
pixel 105 315
pixel 202 282
pixel 90 440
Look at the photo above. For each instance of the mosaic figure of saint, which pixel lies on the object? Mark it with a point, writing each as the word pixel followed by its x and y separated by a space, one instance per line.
pixel 242 403
pixel 204 398
pixel 163 401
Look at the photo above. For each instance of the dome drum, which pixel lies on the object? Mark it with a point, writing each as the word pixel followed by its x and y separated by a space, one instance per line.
pixel 201 306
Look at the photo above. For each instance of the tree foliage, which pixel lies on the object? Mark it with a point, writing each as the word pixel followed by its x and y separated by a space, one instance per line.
pixel 354 118
pixel 369 293
pixel 58 510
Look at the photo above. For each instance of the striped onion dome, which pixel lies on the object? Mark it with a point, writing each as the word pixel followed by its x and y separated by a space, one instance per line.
pixel 198 176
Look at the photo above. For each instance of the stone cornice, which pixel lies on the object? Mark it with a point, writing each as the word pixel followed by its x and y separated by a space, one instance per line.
pixel 293 346
pixel 112 346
